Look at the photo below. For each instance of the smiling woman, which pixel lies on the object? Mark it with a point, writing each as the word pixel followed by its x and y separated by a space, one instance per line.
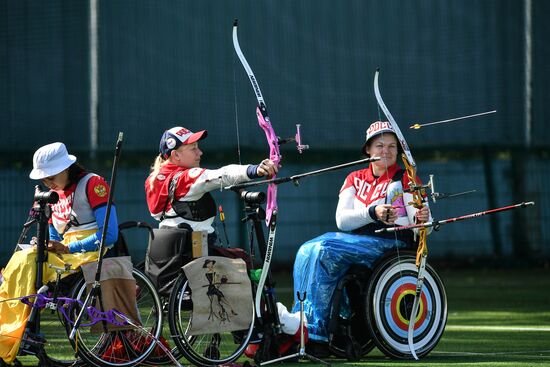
pixel 75 229
pixel 377 196
pixel 374 197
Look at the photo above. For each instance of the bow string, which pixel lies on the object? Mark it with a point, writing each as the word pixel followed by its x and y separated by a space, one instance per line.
pixel 418 194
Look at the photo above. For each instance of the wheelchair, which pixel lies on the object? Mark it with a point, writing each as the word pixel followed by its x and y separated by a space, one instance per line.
pixel 129 347
pixel 168 250
pixel 380 301
pixel 348 320
pixel 218 348
pixel 58 303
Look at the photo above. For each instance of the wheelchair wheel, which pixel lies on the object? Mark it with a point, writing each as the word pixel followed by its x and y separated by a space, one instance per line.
pixel 159 357
pixel 126 347
pixel 389 303
pixel 205 349
pixel 350 339
pixel 355 346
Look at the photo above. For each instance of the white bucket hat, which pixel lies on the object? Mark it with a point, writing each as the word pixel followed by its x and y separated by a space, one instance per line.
pixel 49 160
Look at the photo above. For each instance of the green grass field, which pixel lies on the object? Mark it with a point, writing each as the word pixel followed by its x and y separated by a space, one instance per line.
pixel 496 318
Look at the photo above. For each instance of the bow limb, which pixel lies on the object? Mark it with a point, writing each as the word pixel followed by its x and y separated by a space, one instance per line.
pixel 418 202
pixel 275 156
pixel 421 255
pixel 392 121
pixel 264 122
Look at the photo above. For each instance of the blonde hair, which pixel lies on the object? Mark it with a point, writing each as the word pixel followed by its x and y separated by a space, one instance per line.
pixel 155 168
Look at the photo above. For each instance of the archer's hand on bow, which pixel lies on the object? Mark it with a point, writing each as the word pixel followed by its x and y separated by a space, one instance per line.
pixel 422 215
pixel 386 213
pixel 267 168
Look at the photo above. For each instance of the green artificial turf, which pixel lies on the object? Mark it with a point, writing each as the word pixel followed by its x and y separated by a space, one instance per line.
pixel 496 318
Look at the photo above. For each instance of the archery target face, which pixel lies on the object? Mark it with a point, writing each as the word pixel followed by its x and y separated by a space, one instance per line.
pixel 393 300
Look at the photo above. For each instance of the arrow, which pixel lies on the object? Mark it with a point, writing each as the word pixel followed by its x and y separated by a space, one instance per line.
pixel 418 126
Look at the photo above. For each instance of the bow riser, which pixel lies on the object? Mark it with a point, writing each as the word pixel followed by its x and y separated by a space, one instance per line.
pixel 418 202
pixel 275 156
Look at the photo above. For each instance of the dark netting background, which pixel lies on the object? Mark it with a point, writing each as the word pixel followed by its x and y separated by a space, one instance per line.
pixel 172 63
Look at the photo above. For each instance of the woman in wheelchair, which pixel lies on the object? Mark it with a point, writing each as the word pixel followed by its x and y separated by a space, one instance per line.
pixel 178 189
pixel 74 232
pixel 370 198
pixel 376 196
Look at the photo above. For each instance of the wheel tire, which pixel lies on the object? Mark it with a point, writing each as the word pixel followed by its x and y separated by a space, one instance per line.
pixel 356 325
pixel 354 351
pixel 162 359
pixel 97 349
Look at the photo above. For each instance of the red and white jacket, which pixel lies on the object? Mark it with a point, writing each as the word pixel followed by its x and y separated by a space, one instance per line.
pixel 192 184
pixel 362 191
pixel 79 201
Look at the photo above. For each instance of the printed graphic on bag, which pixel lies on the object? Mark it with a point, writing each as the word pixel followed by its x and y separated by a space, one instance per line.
pixel 221 294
